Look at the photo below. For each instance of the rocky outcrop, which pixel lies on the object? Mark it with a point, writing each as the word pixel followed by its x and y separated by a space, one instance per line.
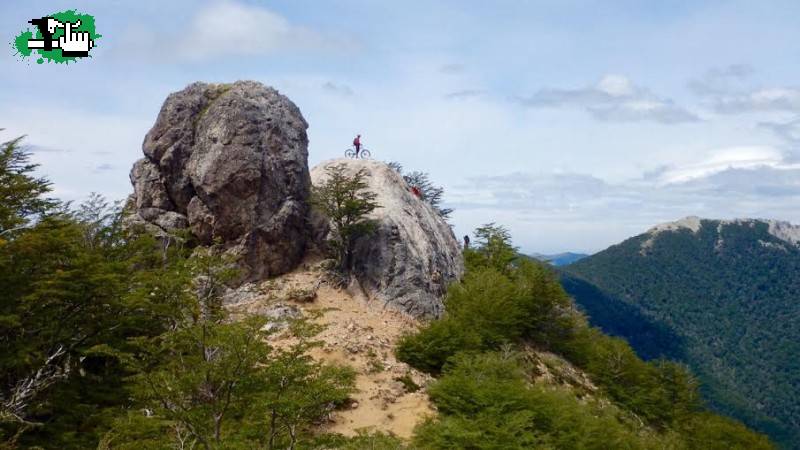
pixel 230 163
pixel 413 256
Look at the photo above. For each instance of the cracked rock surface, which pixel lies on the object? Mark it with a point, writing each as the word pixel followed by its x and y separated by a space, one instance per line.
pixel 413 255
pixel 230 163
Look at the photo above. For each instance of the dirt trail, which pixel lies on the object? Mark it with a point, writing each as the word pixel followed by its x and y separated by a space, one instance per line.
pixel 359 334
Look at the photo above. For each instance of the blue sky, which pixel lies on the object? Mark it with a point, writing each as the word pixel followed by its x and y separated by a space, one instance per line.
pixel 576 124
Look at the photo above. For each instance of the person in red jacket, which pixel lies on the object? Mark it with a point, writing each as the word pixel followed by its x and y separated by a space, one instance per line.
pixel 357 144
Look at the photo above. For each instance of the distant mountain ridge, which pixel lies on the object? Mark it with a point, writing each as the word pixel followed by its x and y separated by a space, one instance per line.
pixel 722 296
pixel 560 259
pixel 782 230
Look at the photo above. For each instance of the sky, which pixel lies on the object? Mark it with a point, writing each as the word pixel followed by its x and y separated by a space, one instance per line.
pixel 575 124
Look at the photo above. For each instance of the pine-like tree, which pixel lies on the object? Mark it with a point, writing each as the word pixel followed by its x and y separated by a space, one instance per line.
pixel 21 193
pixel 345 200
pixel 431 193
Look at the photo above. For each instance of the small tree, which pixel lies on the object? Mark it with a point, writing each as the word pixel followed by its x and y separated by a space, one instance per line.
pixel 430 193
pixel 299 391
pixel 204 376
pixel 21 195
pixel 493 248
pixel 345 200
pixel 74 290
pixel 210 383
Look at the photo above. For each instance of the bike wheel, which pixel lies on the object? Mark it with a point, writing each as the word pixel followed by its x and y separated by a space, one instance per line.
pixel 350 153
pixel 365 154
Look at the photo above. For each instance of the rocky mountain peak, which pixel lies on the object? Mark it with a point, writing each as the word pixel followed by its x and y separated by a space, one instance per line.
pixel 785 231
pixel 692 223
pixel 782 230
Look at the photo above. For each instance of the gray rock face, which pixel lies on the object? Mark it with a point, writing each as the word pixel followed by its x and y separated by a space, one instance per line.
pixel 413 256
pixel 229 162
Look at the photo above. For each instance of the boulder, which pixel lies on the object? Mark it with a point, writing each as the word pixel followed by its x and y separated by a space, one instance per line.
pixel 409 261
pixel 230 163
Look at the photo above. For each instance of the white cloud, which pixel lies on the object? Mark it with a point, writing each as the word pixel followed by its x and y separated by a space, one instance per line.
pixel 338 89
pixel 727 92
pixel 614 98
pixel 766 99
pixel 226 28
pixel 720 80
pixel 788 131
pixel 571 211
pixel 616 86
pixel 232 28
pixel 464 94
pixel 745 157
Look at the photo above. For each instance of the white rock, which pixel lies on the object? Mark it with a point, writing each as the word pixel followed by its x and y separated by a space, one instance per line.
pixel 413 256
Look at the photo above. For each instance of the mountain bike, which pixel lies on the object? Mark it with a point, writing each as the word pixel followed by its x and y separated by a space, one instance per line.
pixel 363 154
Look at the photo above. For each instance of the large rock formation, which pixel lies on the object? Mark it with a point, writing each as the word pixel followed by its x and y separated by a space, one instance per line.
pixel 230 162
pixel 412 257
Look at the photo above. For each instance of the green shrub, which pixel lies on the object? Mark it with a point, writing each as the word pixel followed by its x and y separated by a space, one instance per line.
pixel 408 383
pixel 430 349
pixel 485 402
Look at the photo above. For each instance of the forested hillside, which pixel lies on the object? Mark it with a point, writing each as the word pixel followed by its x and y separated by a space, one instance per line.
pixel 488 389
pixel 720 296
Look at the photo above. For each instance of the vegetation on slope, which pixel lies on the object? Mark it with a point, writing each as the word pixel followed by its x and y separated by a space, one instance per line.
pixel 723 300
pixel 485 395
pixel 115 340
